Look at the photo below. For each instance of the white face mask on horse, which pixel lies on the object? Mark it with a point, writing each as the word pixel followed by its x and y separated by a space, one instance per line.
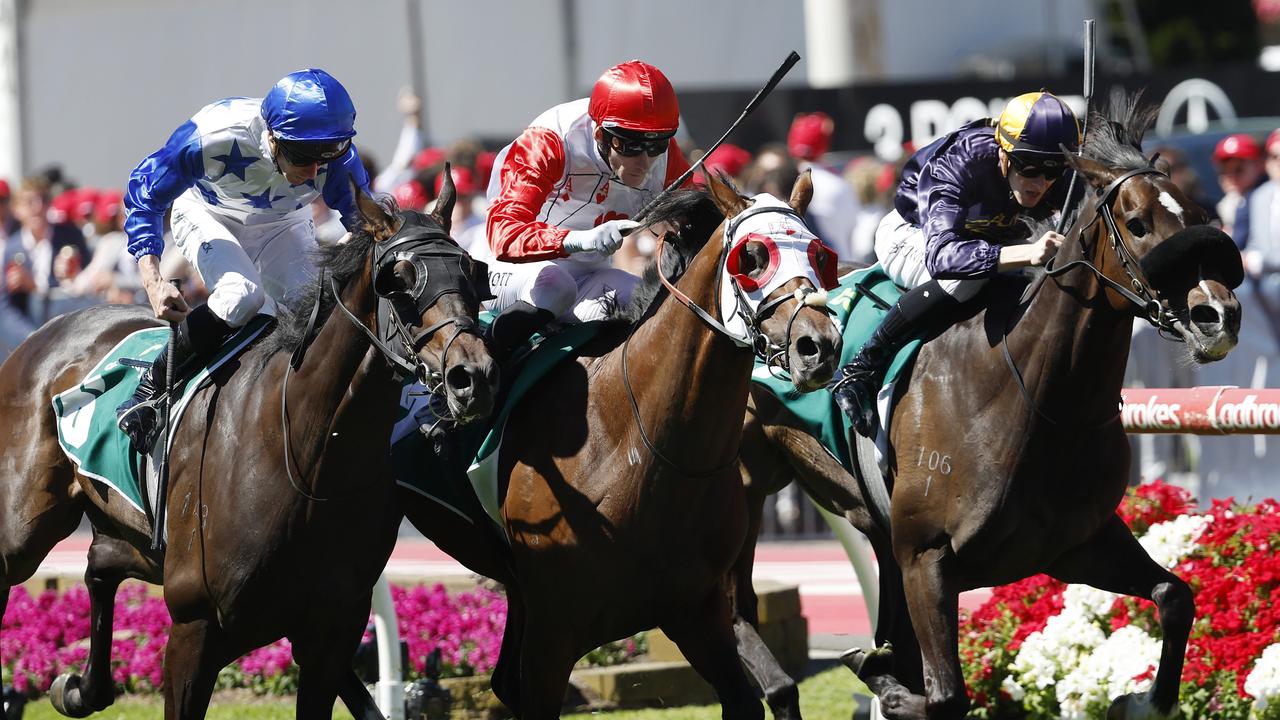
pixel 767 246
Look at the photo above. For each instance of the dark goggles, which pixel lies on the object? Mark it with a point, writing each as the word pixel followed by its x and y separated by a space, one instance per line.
pixel 307 153
pixel 631 146
pixel 1048 167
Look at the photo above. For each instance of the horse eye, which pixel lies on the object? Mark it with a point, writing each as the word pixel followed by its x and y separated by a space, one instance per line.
pixel 1136 228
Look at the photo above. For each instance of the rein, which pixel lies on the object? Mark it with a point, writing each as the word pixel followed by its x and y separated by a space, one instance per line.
pixel 759 343
pixel 410 343
pixel 1141 296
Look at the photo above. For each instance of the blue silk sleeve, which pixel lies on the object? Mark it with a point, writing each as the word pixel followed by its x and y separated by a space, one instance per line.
pixel 153 186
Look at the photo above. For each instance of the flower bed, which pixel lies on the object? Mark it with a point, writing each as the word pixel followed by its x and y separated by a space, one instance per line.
pixel 44 636
pixel 1041 649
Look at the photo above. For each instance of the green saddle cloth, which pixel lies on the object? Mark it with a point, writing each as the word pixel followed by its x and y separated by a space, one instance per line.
pixel 86 413
pixel 857 316
pixel 465 480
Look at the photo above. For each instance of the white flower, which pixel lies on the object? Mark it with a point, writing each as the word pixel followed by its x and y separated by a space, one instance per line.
pixel 1108 672
pixel 1012 687
pixel 1169 542
pixel 1263 682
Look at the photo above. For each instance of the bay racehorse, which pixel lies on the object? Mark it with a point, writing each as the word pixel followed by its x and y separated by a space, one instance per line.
pixel 1030 460
pixel 623 504
pixel 281 515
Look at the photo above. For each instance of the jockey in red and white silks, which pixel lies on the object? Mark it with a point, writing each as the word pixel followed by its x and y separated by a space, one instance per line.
pixel 563 195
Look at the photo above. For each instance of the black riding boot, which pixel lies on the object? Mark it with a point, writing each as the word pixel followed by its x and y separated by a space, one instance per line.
pixel 200 334
pixel 856 385
pixel 513 327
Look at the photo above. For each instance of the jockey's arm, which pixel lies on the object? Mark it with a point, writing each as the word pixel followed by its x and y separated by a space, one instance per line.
pixel 153 186
pixel 337 186
pixel 533 166
pixel 949 253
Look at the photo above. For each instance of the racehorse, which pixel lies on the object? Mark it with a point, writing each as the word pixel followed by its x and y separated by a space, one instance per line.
pixel 623 504
pixel 275 529
pixel 1008 465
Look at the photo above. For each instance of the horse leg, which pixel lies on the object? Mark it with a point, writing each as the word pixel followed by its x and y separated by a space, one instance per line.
pixel 324 668
pixel 1114 561
pixel 192 659
pixel 705 635
pixel 780 690
pixel 892 669
pixel 933 599
pixel 547 654
pixel 505 679
pixel 110 561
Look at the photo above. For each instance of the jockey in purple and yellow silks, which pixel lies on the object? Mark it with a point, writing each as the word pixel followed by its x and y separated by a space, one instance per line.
pixel 238 177
pixel 957 221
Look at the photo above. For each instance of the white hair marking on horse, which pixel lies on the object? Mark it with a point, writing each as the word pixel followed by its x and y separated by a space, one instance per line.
pixel 1171 205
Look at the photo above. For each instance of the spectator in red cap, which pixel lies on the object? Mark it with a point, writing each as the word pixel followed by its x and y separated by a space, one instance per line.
pixel 1238 161
pixel 834 208
pixel 112 267
pixel 728 159
pixel 8 223
pixel 563 196
pixel 1258 220
pixel 411 196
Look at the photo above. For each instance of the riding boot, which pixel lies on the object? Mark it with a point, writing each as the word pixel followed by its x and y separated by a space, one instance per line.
pixel 199 335
pixel 856 384
pixel 513 327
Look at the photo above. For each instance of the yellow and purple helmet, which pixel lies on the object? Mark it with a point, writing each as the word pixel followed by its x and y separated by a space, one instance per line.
pixel 1035 124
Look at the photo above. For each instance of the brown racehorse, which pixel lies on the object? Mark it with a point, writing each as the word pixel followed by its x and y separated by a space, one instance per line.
pixel 274 529
pixel 1034 468
pixel 622 516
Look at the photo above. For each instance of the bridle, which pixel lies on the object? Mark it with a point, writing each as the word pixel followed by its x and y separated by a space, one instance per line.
pixel 756 339
pixel 441 268
pixel 1141 296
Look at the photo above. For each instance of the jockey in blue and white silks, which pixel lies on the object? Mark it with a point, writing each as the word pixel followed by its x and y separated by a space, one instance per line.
pixel 238 177
pixel 957 221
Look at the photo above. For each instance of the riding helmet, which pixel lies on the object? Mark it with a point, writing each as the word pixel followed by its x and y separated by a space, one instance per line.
pixel 1036 123
pixel 309 106
pixel 635 96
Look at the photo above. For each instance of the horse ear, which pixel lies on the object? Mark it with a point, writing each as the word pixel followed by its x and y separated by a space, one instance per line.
pixel 1096 173
pixel 377 221
pixel 802 192
pixel 726 198
pixel 445 200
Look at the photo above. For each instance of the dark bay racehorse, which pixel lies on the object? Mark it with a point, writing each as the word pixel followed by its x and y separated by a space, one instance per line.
pixel 996 478
pixel 276 528
pixel 623 504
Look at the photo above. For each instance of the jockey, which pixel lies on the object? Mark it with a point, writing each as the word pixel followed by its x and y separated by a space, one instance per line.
pixel 238 177
pixel 563 195
pixel 957 221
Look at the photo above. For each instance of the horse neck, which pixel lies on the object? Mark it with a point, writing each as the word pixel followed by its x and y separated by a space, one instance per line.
pixel 690 382
pixel 333 392
pixel 1074 345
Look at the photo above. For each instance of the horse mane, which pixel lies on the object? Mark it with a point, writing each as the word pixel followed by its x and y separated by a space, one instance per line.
pixel 695 213
pixel 342 262
pixel 1115 134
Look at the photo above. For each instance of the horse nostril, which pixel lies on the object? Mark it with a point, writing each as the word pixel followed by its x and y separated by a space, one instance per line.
pixel 1206 318
pixel 458 378
pixel 806 346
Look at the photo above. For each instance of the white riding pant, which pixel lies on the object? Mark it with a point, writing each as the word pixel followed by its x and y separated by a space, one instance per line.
pixel 573 291
pixel 247 268
pixel 900 248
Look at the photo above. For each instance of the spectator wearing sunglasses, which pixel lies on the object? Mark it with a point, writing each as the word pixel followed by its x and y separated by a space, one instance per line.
pixel 562 196
pixel 957 221
pixel 238 177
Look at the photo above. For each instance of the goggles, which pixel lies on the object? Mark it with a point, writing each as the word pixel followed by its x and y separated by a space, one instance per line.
pixel 305 153
pixel 1034 166
pixel 631 147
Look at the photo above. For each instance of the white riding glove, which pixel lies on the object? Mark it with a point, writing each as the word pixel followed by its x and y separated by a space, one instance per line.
pixel 604 238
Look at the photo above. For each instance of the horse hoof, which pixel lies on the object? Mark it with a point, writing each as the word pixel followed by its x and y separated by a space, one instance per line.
pixel 868 663
pixel 66 698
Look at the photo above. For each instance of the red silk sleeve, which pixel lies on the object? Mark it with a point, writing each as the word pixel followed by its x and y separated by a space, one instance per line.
pixel 677 163
pixel 528 176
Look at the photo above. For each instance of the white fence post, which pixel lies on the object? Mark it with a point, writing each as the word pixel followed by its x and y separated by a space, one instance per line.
pixel 390 694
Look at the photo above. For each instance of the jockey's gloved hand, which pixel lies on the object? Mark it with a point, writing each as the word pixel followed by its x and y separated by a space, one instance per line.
pixel 604 238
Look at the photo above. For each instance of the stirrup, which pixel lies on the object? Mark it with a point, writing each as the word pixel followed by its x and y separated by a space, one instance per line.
pixel 141 423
